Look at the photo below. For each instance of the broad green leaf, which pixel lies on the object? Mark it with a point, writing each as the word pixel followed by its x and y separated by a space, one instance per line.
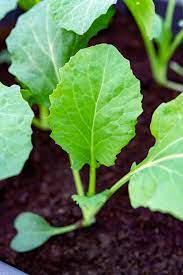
pixel 78 15
pixel 144 13
pixel 28 4
pixel 95 107
pixel 33 231
pixel 91 205
pixel 157 183
pixel 39 49
pixel 6 6
pixel 15 131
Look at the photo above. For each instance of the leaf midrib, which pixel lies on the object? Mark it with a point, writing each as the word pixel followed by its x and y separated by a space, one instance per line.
pixel 95 111
pixel 153 163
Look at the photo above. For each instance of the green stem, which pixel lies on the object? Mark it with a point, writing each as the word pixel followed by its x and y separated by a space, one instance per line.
pixel 149 45
pixel 68 228
pixel 42 122
pixel 92 182
pixel 177 41
pixel 169 14
pixel 83 223
pixel 78 183
pixel 43 114
pixel 173 86
pixel 120 183
pixel 176 68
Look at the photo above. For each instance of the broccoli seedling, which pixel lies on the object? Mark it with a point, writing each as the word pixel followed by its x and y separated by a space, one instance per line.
pixel 93 115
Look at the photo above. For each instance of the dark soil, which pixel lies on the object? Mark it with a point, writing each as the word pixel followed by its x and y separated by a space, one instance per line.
pixel 124 240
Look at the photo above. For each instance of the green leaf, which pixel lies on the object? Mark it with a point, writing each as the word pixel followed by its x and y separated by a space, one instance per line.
pixel 157 183
pixel 99 24
pixel 95 107
pixel 91 205
pixel 15 134
pixel 39 49
pixel 33 231
pixel 144 13
pixel 6 6
pixel 28 4
pixel 78 15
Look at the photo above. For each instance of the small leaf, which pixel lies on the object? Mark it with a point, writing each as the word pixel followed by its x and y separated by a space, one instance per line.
pixel 39 49
pixel 15 131
pixel 144 13
pixel 95 107
pixel 78 15
pixel 33 231
pixel 91 205
pixel 157 183
pixel 7 6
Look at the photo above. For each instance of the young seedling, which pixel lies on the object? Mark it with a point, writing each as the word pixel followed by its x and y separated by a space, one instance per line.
pixel 161 34
pixel 93 115
pixel 15 131
pixel 39 50
pixel 71 16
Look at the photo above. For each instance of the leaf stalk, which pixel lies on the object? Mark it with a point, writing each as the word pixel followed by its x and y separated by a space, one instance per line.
pixel 78 183
pixel 92 182
pixel 42 122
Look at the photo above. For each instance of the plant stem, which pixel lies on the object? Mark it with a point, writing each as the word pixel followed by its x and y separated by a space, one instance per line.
pixel 173 86
pixel 176 68
pixel 42 122
pixel 150 50
pixel 68 228
pixel 43 114
pixel 78 183
pixel 120 183
pixel 92 182
pixel 169 14
pixel 177 41
pixel 81 223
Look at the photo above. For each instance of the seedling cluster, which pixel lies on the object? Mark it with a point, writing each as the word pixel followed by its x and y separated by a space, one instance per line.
pixel 90 100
